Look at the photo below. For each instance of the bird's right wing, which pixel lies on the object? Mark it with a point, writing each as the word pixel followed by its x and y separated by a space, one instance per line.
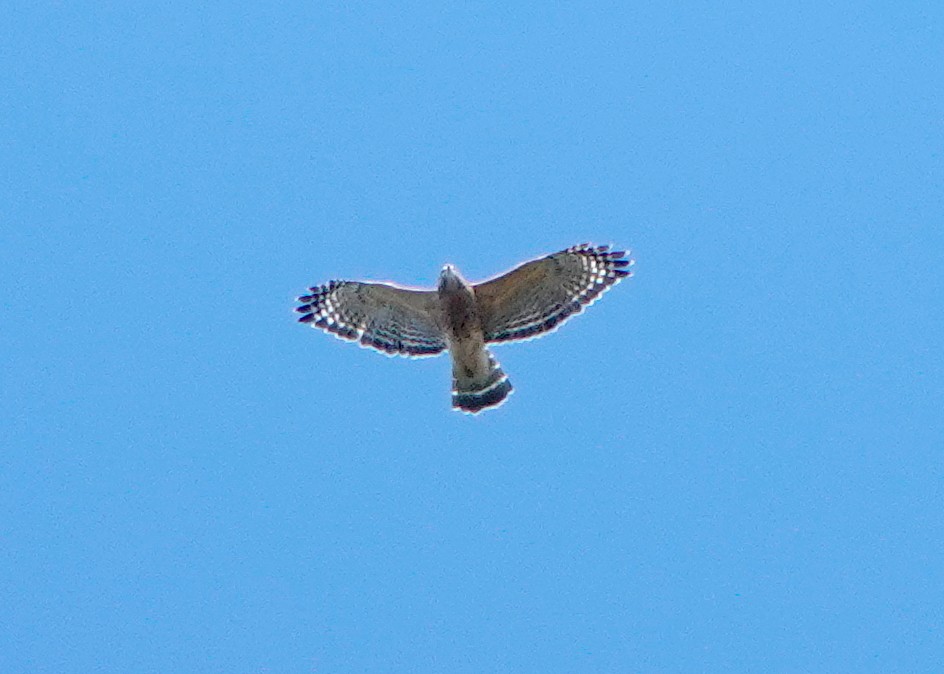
pixel 397 321
pixel 538 296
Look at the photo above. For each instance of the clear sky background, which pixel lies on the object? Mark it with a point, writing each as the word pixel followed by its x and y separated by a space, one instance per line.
pixel 733 462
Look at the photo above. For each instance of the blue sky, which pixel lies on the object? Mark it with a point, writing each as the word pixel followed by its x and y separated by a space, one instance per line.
pixel 733 462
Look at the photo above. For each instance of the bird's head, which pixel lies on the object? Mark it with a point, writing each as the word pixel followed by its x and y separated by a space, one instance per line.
pixel 449 279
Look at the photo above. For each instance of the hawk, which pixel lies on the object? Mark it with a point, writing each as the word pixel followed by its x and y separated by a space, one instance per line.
pixel 528 301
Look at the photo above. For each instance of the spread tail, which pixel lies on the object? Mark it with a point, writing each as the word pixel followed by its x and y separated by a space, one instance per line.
pixel 474 394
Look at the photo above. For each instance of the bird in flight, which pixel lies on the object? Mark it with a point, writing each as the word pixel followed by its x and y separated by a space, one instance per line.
pixel 528 301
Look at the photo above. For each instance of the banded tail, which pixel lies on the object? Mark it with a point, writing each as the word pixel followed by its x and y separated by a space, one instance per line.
pixel 478 391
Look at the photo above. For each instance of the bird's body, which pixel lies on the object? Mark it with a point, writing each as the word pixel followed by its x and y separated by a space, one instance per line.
pixel 477 379
pixel 528 301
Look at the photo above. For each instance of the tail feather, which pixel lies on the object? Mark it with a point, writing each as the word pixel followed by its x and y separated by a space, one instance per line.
pixel 475 395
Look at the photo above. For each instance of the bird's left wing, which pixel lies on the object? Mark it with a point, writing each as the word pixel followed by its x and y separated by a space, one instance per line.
pixel 538 296
pixel 397 321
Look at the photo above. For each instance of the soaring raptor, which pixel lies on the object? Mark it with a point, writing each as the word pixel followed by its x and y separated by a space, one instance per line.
pixel 528 301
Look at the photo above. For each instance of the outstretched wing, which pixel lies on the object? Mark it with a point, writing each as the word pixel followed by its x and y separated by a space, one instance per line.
pixel 539 295
pixel 384 317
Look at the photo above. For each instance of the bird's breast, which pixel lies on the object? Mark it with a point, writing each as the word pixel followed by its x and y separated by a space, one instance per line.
pixel 460 316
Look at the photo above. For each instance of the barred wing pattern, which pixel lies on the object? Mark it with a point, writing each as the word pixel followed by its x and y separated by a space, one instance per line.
pixel 539 295
pixel 397 321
